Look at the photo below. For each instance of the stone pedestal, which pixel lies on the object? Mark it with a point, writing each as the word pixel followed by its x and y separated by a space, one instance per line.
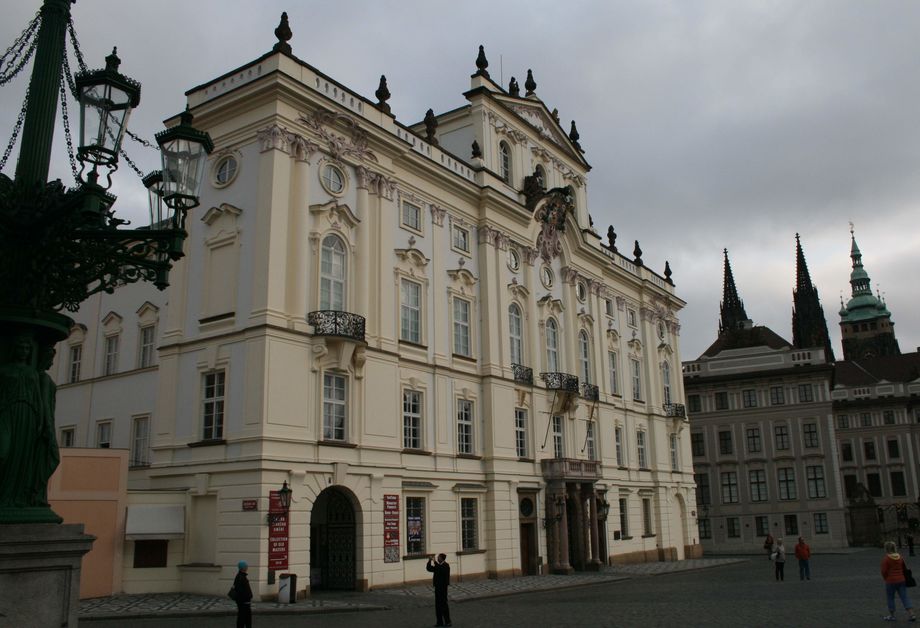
pixel 40 573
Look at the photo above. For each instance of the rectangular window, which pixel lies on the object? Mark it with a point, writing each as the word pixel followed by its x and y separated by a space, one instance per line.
pixel 609 307
pixel 749 398
pixel 721 400
pixel 647 517
pixel 846 452
pixel 412 216
pixel 849 485
pixel 693 403
pixel 213 405
pixel 111 355
pixel 462 345
pixel 898 487
pixel 335 408
pixel 631 318
pixel 758 481
pixel 76 358
pixel 624 519
pixel 590 448
pixel 104 434
pixel 810 435
pixel 894 450
pixel 814 477
pixel 777 396
pixel 786 477
pixel 148 335
pixel 150 553
pixel 806 393
pixel 821 523
pixel 781 437
pixel 843 421
pixel 729 487
pixel 725 443
pixel 520 432
pixel 636 369
pixel 888 417
pixel 410 311
pixel 140 442
pixel 614 373
pixel 675 455
pixel 865 419
pixel 412 419
pixel 791 524
pixel 415 526
pixel 705 528
pixel 558 442
pixel 68 436
pixel 703 493
pixel 733 527
pixel 761 525
pixel 618 438
pixel 869 450
pixel 464 426
pixel 640 450
pixel 460 239
pixel 697 443
pixel 469 536
pixel 754 444
pixel 874 484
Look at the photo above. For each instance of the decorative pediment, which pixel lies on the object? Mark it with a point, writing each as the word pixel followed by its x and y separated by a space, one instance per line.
pixel 635 346
pixel 536 117
pixel 112 322
pixel 586 320
pixel 613 336
pixel 77 333
pixel 462 277
pixel 412 256
pixel 355 146
pixel 224 209
pixel 517 290
pixel 549 305
pixel 337 213
pixel 502 127
pixel 664 349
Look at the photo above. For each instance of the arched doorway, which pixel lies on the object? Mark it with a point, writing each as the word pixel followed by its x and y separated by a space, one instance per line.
pixel 333 541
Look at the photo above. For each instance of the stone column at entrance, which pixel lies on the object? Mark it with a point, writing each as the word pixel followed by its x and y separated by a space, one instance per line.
pixel 556 508
pixel 578 522
pixel 595 534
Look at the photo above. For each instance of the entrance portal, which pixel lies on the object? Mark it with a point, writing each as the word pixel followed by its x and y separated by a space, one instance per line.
pixel 332 541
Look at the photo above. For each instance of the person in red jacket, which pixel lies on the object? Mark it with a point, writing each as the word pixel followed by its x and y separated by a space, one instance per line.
pixel 893 572
pixel 803 553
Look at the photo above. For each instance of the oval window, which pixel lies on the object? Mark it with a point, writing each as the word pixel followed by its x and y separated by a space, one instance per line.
pixel 333 179
pixel 225 171
pixel 514 259
pixel 546 276
pixel 581 291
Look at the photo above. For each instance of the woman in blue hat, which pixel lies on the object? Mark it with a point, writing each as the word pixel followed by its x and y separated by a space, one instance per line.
pixel 242 595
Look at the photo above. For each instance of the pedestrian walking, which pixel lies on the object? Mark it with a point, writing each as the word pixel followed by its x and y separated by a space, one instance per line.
pixel 803 554
pixel 768 545
pixel 242 595
pixel 894 573
pixel 779 560
pixel 440 579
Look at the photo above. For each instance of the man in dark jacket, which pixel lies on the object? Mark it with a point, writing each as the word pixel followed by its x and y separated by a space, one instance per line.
pixel 440 580
pixel 242 595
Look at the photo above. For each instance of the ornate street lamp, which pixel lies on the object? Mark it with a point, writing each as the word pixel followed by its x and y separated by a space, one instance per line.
pixel 284 495
pixel 60 246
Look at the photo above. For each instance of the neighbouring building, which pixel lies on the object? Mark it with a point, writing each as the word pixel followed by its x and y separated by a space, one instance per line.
pixel 762 431
pixel 417 328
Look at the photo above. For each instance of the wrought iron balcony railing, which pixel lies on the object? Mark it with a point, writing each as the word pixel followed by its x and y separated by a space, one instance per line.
pixel 590 392
pixel 339 324
pixel 676 410
pixel 560 381
pixel 523 374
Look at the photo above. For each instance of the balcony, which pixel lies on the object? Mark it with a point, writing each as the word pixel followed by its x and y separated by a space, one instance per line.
pixel 570 470
pixel 522 374
pixel 590 392
pixel 675 410
pixel 562 382
pixel 337 324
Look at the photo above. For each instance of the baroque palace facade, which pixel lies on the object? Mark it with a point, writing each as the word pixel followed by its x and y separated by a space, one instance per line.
pixel 417 328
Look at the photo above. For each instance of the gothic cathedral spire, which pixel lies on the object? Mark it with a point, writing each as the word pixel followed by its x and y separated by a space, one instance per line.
pixel 809 326
pixel 733 315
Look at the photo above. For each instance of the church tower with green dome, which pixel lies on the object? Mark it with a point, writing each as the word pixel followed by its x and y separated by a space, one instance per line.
pixel 865 322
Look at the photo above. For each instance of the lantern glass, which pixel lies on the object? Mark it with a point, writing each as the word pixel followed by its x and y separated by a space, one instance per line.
pixel 159 211
pixel 184 151
pixel 106 100
pixel 284 496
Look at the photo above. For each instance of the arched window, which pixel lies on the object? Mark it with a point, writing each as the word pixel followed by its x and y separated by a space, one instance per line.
pixel 552 346
pixel 584 359
pixel 666 381
pixel 516 328
pixel 504 155
pixel 332 275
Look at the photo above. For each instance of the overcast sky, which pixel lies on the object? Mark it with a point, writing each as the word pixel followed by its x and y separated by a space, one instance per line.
pixel 709 125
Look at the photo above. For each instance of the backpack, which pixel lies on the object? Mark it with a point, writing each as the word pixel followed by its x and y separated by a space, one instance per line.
pixel 232 593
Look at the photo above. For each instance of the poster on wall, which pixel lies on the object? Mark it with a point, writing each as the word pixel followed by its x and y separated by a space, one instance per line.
pixel 277 533
pixel 391 528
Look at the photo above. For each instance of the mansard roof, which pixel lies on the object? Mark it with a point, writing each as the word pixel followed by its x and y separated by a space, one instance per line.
pixel 870 371
pixel 756 336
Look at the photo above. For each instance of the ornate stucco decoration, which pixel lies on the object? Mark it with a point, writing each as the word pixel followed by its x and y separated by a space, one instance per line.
pixel 463 278
pixel 567 173
pixel 621 304
pixel 665 351
pixel 224 209
pixel 586 320
pixel 338 214
pixel 437 215
pixel 494 237
pixel 635 346
pixel 518 291
pixel 551 213
pixel 646 314
pixel 301 148
pixel 274 137
pixel 569 275
pixel 529 255
pixel 597 288
pixel 379 184
pixel 503 128
pixel 613 336
pixel 539 121
pixel 548 305
pixel 340 147
pixel 413 257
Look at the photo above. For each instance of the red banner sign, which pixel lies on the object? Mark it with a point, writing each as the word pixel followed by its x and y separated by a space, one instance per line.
pixel 277 534
pixel 391 528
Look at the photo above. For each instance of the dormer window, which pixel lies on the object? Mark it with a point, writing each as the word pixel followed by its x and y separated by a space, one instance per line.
pixel 504 153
